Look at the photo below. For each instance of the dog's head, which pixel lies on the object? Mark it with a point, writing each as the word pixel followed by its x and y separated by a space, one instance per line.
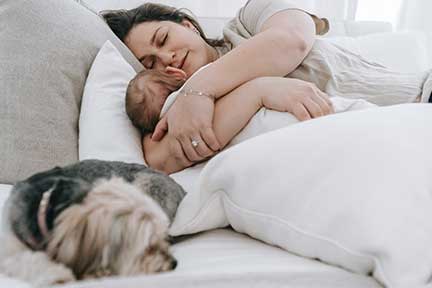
pixel 115 230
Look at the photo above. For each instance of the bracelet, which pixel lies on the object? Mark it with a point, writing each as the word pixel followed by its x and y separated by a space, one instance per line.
pixel 199 93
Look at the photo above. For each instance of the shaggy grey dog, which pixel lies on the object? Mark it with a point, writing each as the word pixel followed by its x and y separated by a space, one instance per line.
pixel 91 219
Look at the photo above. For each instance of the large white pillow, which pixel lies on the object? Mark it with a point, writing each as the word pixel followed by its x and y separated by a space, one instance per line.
pixel 105 131
pixel 402 51
pixel 352 189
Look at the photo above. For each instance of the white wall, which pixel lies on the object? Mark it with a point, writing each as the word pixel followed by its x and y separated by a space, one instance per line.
pixel 201 8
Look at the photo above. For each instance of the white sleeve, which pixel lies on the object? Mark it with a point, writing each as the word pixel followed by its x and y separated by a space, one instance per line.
pixel 255 12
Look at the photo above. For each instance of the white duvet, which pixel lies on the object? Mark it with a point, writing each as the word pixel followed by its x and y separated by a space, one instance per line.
pixel 351 189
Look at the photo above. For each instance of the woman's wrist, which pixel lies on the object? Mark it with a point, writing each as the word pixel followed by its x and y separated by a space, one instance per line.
pixel 257 88
pixel 188 91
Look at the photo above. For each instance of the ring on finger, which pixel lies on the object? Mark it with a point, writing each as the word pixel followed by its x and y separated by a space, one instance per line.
pixel 195 143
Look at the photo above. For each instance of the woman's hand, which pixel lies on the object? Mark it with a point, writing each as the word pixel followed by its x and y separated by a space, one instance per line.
pixel 190 119
pixel 165 156
pixel 300 98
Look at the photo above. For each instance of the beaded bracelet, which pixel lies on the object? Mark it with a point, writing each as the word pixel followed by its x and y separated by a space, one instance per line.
pixel 199 93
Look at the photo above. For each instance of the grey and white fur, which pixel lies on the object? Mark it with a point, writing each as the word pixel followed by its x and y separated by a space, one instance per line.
pixel 100 218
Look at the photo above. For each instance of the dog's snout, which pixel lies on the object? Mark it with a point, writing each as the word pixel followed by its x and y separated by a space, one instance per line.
pixel 173 263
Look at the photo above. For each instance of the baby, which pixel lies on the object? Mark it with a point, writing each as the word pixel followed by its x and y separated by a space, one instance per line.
pixel 146 95
pixel 241 113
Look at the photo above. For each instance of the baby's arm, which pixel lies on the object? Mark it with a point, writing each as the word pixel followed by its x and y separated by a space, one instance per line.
pixel 232 113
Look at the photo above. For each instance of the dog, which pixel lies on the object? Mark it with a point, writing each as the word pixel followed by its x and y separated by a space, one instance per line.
pixel 87 220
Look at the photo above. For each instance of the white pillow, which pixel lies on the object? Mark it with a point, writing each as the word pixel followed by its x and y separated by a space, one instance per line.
pixel 352 189
pixel 401 51
pixel 105 131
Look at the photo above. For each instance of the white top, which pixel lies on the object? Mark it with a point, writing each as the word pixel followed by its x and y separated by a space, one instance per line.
pixel 333 69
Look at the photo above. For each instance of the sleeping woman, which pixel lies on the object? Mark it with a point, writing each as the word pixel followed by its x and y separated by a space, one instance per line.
pixel 243 109
pixel 267 38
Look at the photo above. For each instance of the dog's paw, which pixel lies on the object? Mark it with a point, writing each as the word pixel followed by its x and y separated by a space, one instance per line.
pixel 36 268
pixel 59 274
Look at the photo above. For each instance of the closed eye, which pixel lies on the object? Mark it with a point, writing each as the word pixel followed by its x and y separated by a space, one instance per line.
pixel 165 39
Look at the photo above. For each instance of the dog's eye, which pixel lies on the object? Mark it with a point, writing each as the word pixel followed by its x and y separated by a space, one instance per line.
pixel 170 239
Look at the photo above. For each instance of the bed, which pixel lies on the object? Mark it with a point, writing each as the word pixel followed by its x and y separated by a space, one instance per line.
pixel 225 258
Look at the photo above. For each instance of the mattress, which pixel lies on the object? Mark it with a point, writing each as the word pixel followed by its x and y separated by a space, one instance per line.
pixel 224 258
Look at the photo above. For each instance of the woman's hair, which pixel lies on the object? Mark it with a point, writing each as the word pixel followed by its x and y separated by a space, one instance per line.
pixel 122 21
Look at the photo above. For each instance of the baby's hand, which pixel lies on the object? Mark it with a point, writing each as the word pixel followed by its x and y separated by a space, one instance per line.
pixel 180 74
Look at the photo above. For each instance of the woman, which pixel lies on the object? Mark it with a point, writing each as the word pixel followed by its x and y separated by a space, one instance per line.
pixel 266 38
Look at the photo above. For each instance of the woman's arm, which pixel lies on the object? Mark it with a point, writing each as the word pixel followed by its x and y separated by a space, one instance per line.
pixel 235 110
pixel 231 114
pixel 278 48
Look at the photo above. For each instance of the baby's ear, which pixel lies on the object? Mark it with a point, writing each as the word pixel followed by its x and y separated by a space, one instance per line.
pixel 176 72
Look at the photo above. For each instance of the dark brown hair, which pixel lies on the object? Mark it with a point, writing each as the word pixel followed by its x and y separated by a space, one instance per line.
pixel 139 93
pixel 122 21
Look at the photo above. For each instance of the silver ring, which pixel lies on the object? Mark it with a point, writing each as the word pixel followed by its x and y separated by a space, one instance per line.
pixel 195 143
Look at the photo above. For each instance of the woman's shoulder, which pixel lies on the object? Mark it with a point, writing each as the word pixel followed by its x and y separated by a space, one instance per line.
pixel 255 12
pixel 250 18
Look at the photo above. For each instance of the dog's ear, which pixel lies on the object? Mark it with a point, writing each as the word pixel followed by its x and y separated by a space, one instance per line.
pixel 66 192
pixel 54 172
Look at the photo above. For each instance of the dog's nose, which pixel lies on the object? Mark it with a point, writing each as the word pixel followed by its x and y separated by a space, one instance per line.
pixel 173 263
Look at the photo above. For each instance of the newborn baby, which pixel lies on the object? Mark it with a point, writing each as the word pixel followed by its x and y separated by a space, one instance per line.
pixel 146 94
pixel 148 100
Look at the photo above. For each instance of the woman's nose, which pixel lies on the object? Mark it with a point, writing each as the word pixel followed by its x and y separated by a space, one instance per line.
pixel 166 57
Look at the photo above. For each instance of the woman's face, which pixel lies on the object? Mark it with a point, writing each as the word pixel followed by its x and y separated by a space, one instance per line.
pixel 159 44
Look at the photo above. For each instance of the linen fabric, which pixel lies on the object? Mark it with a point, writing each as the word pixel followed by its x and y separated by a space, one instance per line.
pixel 46 50
pixel 335 70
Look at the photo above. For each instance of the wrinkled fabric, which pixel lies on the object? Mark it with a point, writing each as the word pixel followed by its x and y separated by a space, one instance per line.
pixel 333 69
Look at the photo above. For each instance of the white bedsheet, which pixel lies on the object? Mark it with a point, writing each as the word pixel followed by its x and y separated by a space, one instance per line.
pixel 224 258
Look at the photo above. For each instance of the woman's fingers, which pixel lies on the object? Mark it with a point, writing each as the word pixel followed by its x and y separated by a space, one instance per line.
pixel 301 113
pixel 210 139
pixel 200 147
pixel 313 108
pixel 324 101
pixel 189 145
pixel 203 149
pixel 197 148
pixel 178 153
pixel 160 130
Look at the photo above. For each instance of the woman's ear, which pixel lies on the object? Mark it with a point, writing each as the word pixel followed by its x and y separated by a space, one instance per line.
pixel 189 25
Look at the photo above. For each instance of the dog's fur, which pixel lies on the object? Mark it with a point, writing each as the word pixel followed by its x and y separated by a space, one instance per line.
pixel 103 218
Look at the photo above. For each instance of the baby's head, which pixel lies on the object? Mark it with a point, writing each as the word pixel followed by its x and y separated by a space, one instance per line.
pixel 146 95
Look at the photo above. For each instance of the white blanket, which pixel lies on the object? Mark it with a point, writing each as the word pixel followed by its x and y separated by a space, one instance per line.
pixel 352 189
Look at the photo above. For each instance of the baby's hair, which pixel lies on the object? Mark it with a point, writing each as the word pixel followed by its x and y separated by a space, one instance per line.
pixel 139 95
